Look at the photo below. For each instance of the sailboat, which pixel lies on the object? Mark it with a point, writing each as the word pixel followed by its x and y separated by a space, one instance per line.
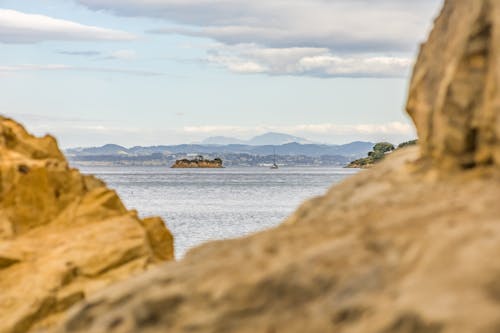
pixel 274 166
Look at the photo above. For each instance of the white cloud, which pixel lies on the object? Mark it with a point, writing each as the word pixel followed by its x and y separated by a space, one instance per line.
pixel 18 27
pixel 251 58
pixel 88 53
pixel 78 131
pixel 381 24
pixel 392 128
pixel 216 129
pixel 123 55
pixel 338 37
pixel 388 128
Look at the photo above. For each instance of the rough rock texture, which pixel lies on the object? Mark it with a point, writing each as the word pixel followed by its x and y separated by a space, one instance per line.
pixel 62 235
pixel 454 98
pixel 391 250
pixel 409 246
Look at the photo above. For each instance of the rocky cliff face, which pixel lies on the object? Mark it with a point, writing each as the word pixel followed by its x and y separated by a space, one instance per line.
pixel 63 235
pixel 409 246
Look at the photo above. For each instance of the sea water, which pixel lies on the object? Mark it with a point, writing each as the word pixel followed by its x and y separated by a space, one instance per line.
pixel 199 205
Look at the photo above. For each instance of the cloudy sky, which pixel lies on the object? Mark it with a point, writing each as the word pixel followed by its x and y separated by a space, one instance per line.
pixel 144 72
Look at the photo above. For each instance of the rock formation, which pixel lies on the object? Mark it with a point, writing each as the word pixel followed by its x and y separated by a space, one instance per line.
pixel 199 162
pixel 454 98
pixel 408 246
pixel 63 235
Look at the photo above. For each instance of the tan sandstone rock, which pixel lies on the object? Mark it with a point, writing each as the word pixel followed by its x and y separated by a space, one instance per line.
pixel 454 98
pixel 63 235
pixel 409 246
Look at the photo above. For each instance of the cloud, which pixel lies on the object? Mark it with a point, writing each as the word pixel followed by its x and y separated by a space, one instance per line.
pixel 346 37
pixel 388 128
pixel 75 131
pixel 122 55
pixel 391 128
pixel 115 55
pixel 18 27
pixel 62 67
pixel 320 62
pixel 348 24
pixel 218 129
pixel 80 53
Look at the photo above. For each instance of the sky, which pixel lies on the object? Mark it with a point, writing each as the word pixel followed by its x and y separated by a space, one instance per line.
pixel 151 72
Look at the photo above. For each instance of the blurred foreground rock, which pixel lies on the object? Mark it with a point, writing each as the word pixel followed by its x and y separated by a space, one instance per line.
pixel 395 249
pixel 454 98
pixel 63 235
pixel 409 246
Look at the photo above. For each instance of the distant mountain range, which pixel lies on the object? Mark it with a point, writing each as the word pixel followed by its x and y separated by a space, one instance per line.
pixel 260 140
pixel 352 150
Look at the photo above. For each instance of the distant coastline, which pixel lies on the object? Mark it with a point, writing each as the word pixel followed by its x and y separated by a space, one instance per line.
pixel 290 154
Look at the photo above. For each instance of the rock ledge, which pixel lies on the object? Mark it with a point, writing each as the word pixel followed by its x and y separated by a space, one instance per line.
pixel 63 235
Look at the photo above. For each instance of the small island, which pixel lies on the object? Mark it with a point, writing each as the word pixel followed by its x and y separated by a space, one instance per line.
pixel 380 150
pixel 198 162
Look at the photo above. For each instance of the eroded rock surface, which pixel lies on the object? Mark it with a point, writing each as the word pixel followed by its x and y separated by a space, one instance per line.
pixel 454 98
pixel 63 235
pixel 391 250
pixel 409 246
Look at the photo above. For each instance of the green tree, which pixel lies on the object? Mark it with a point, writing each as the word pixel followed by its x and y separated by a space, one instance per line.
pixel 383 147
pixel 408 143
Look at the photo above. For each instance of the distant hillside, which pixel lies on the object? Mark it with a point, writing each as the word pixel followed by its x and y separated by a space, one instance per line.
pixel 109 149
pixel 351 150
pixel 260 140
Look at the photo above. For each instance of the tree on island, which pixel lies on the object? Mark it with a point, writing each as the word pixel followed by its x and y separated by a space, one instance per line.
pixel 378 153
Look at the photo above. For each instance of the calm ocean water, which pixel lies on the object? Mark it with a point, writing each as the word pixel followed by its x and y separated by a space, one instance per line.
pixel 208 204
